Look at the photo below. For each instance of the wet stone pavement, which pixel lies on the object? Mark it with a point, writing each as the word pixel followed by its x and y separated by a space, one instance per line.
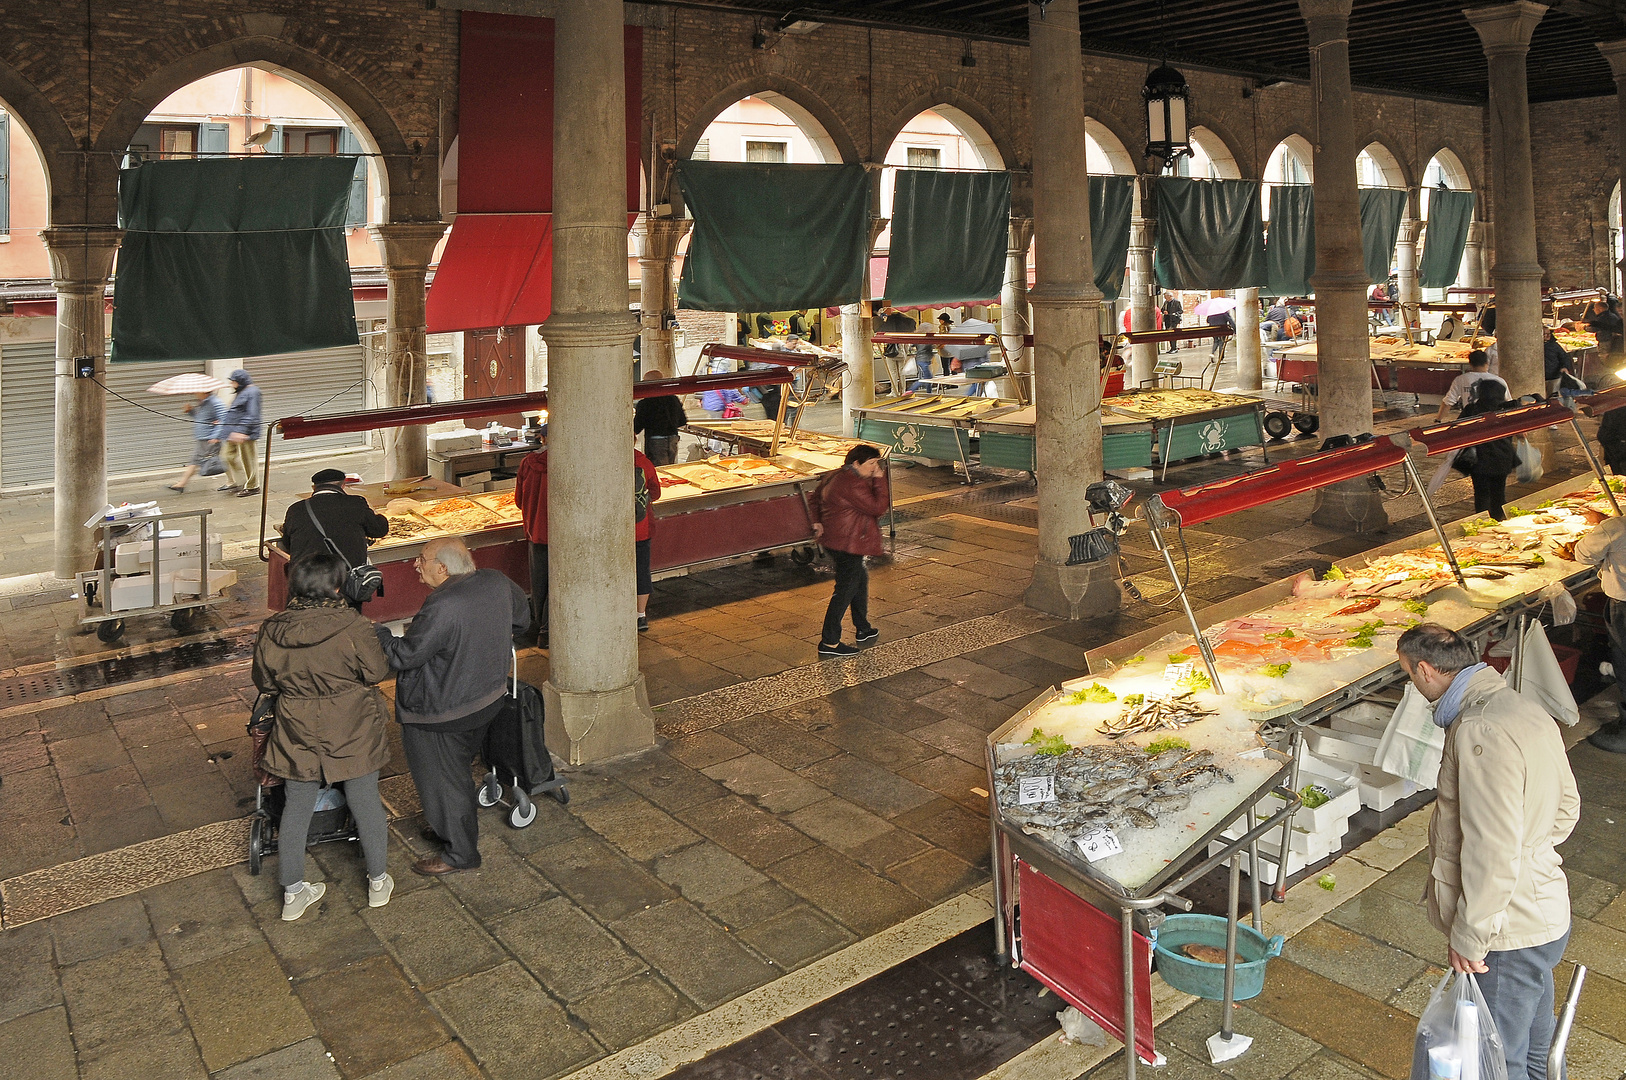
pixel 796 822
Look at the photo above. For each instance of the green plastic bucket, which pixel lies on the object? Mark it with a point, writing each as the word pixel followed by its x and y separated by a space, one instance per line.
pixel 1253 951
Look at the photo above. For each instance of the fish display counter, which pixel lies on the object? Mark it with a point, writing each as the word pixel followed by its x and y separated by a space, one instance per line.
pixel 708 511
pixel 1411 367
pixel 935 427
pixel 756 437
pixel 1189 422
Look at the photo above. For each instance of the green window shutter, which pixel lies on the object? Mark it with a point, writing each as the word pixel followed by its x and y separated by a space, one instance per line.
pixel 212 140
pixel 357 213
pixel 5 175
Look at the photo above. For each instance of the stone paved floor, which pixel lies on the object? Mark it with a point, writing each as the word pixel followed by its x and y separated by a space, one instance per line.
pixel 792 810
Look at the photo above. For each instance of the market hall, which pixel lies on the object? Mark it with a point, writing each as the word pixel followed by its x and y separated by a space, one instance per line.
pixel 1139 746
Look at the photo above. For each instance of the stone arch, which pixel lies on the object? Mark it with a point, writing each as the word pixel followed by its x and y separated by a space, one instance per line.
pixel 1459 175
pixel 968 116
pixel 1297 145
pixel 810 112
pixel 1112 145
pixel 1219 151
pixel 407 175
pixel 54 142
pixel 1395 173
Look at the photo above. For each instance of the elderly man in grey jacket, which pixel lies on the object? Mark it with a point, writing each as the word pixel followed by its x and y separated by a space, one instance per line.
pixel 452 676
pixel 1506 799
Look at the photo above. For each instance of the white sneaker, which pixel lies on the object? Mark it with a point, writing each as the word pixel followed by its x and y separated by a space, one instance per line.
pixel 379 890
pixel 295 903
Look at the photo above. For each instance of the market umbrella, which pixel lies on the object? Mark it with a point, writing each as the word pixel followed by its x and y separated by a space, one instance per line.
pixel 1213 306
pixel 193 382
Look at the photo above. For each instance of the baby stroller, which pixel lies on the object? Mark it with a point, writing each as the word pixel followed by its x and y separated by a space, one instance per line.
pixel 516 747
pixel 332 820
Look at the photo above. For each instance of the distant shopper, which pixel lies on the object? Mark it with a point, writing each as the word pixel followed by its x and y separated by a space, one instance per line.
pixel 646 489
pixel 772 395
pixel 323 662
pixel 452 670
pixel 238 434
pixel 1506 799
pixel 798 323
pixel 846 507
pixel 716 403
pixel 205 412
pixel 1461 391
pixel 1606 327
pixel 350 522
pixel 1605 548
pixel 1225 321
pixel 742 333
pixel 659 419
pixel 531 496
pixel 893 321
pixel 1174 313
pixel 1491 462
pixel 1555 361
pixel 1612 437
pixel 765 324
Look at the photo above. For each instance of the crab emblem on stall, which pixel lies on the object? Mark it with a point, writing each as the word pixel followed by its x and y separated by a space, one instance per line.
pixel 1212 435
pixel 909 440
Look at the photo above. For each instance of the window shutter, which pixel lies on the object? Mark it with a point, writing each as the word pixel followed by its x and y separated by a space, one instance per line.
pixel 349 144
pixel 212 140
pixel 5 175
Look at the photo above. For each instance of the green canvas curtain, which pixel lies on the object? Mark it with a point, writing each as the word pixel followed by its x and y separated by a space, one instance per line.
pixel 1449 213
pixel 1290 248
pixel 1381 211
pixel 1111 198
pixel 950 232
pixel 1210 234
pixel 771 237
pixel 233 257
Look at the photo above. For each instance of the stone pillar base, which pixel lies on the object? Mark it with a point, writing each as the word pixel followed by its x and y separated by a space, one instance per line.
pixel 590 727
pixel 1351 506
pixel 1075 592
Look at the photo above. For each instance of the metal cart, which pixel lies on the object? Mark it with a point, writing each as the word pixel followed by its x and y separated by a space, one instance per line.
pixel 96 586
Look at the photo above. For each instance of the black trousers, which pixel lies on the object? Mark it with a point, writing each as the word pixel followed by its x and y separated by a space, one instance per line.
pixel 852 591
pixel 640 563
pixel 770 401
pixel 662 449
pixel 440 768
pixel 539 587
pixel 1490 492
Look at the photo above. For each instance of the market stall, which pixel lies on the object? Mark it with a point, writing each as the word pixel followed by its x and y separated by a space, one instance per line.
pixel 931 427
pixel 1106 789
pixel 756 436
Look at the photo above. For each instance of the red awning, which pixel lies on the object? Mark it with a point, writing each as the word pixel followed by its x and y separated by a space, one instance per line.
pixel 1205 502
pixel 497 270
pixel 1456 434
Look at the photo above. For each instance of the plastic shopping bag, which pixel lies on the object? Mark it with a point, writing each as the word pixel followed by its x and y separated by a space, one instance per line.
pixel 1457 1039
pixel 1412 744
pixel 1530 469
pixel 1542 680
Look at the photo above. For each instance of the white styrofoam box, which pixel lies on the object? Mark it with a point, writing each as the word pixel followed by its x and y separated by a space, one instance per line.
pixel 136 555
pixel 1362 718
pixel 186 581
pixel 1381 790
pixel 474 481
pixel 135 591
pixel 1343 799
pixel 1343 746
pixel 1267 869
pixel 1342 771
pixel 1310 844
pixel 442 442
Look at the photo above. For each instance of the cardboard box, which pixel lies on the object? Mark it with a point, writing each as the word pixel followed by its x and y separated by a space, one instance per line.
pixel 186 581
pixel 134 591
pixel 135 556
pixel 474 481
pixel 445 442
pixel 501 485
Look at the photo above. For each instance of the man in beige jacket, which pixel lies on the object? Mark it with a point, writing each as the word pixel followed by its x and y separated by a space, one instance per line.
pixel 1506 799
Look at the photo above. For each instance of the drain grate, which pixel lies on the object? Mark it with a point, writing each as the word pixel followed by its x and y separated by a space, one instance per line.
pixel 39 687
pixel 66 682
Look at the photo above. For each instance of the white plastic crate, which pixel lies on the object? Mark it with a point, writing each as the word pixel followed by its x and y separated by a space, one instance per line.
pixel 1380 790
pixel 1342 746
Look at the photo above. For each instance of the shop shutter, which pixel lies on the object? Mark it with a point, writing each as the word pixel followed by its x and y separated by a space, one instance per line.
pixel 139 440
pixel 27 413
pixel 302 384
pixel 213 140
pixel 349 144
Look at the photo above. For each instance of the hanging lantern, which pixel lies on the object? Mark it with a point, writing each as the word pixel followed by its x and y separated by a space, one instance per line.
pixel 1167 133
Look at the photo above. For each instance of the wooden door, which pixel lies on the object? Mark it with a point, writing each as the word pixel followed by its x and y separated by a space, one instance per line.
pixel 494 366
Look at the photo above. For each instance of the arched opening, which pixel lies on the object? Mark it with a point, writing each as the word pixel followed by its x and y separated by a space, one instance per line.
pixel 1104 152
pixel 1446 170
pixel 1377 167
pixel 1615 246
pixel 1290 163
pixel 769 127
pixel 25 201
pixel 1210 158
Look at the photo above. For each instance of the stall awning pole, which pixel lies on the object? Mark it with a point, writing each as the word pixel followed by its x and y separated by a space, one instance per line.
pixel 1203 647
pixel 1433 520
pixel 1592 459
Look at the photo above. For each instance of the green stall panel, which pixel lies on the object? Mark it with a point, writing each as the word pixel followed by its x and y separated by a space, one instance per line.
pixel 1126 449
pixel 917 440
pixel 1209 435
pixel 1005 450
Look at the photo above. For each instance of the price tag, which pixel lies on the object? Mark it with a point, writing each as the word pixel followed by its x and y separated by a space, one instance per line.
pixel 1175 672
pixel 1100 844
pixel 1035 789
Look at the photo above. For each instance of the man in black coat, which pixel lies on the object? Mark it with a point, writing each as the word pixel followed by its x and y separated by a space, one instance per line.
pixel 350 523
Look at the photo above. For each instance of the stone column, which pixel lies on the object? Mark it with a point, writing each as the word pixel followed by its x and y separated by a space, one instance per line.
pixel 81 260
pixel 1250 365
pixel 1406 259
pixel 1142 289
pixel 1615 53
pixel 406 249
pixel 1014 321
pixel 1474 255
pixel 1339 281
pixel 1505 31
pixel 1066 303
pixel 656 296
pixel 858 390
pixel 597 707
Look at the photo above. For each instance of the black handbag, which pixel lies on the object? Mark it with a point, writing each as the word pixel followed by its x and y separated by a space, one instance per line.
pixel 364 580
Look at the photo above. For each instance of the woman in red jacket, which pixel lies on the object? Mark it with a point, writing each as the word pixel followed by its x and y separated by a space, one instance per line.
pixel 845 508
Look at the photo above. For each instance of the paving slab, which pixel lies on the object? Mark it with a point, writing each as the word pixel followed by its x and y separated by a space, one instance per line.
pixel 1393 921
pixel 120 997
pixel 449 1061
pixel 751 906
pixel 702 749
pixel 1377 1036
pixel 38 1046
pixel 737 826
pixel 200 918
pixel 779 742
pixel 706 963
pixel 515 1031
pixel 1591 1056
pixel 1352 960
pixel 302 1060
pixel 869 785
pixel 566 951
pixel 503 882
pixel 638 827
pixel 599 878
pixel 457 947
pixel 1599 947
pixel 1277 1050
pixel 670 784
pixel 773 787
pixel 706 874
pixel 840 887
pixel 796 936
pixel 240 1006
pixel 934 875
pixel 95 931
pixel 395 1025
pixel 632 1010
pixel 173 1056
pixel 27 975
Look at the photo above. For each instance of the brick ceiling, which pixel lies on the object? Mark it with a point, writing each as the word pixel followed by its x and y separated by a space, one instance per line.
pixel 1420 47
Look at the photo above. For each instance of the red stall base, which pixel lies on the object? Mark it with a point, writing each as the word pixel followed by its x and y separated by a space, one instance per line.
pixel 404 593
pixel 1076 949
pixel 1569 661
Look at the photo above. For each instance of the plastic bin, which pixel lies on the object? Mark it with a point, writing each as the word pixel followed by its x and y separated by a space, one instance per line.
pixel 1253 952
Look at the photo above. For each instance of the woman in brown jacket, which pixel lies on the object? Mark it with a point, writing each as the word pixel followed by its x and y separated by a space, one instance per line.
pixel 846 507
pixel 322 660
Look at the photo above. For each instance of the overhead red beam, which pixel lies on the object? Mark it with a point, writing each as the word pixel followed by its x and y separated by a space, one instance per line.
pixel 1443 438
pixel 887 338
pixel 305 427
pixel 758 356
pixel 1603 401
pixel 1141 337
pixel 1205 502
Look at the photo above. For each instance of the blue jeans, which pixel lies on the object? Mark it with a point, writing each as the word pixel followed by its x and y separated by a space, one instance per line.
pixel 1519 990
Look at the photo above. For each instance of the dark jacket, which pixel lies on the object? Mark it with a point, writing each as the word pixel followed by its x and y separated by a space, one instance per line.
pixel 1612 434
pixel 1555 359
pixel 1497 457
pixel 1606 326
pixel 457 653
pixel 323 663
pixel 847 505
pixel 243 415
pixel 659 416
pixel 531 495
pixel 349 521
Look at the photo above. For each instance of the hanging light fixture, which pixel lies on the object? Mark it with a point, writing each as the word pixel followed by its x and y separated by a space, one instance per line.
pixel 1166 94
